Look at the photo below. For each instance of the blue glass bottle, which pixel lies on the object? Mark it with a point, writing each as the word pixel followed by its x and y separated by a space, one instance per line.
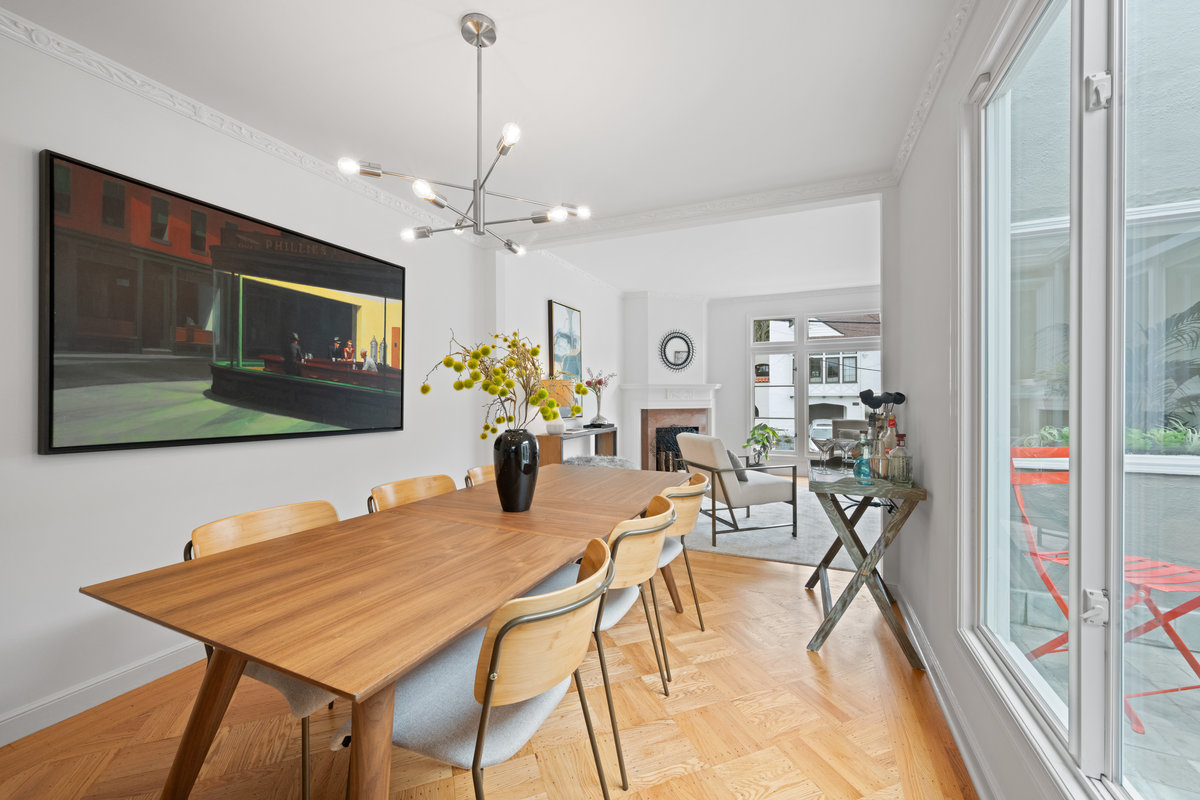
pixel 862 464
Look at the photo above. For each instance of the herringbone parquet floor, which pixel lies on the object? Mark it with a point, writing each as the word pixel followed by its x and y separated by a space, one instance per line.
pixel 751 714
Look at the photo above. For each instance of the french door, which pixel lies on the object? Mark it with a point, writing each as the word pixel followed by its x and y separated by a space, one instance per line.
pixel 1089 345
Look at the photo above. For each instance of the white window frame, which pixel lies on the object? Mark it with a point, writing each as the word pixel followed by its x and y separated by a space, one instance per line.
pixel 1084 760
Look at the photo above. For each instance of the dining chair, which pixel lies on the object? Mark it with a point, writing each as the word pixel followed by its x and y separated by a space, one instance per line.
pixel 478 700
pixel 1047 466
pixel 256 526
pixel 409 490
pixel 635 545
pixel 477 475
pixel 687 499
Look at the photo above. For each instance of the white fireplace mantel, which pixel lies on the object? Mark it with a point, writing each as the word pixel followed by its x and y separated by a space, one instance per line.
pixel 670 395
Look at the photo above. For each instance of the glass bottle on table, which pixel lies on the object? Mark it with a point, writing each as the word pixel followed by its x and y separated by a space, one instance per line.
pixel 900 463
pixel 888 440
pixel 862 465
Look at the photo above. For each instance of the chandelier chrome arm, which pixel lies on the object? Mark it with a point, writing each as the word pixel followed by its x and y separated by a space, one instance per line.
pixel 479 31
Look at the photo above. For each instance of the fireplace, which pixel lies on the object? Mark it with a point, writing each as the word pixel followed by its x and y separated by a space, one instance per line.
pixel 667 457
pixel 661 426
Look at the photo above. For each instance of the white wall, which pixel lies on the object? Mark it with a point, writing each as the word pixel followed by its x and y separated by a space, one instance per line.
pixel 920 270
pixel 525 286
pixel 728 356
pixel 72 520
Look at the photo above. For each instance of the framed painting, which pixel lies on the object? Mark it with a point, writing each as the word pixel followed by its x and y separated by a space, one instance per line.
pixel 169 321
pixel 566 342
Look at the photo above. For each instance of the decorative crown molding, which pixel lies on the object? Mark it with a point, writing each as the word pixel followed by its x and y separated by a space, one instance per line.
pixel 727 208
pixel 720 209
pixel 948 46
pixel 51 44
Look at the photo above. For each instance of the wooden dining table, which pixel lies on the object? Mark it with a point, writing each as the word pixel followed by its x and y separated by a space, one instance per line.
pixel 351 607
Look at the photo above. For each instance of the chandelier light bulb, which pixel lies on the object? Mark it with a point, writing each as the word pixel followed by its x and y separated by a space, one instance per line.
pixel 584 212
pixel 514 248
pixel 557 214
pixel 347 165
pixel 408 235
pixel 423 190
pixel 510 134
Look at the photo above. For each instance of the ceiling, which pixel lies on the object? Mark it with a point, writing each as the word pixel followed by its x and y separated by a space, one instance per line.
pixel 654 114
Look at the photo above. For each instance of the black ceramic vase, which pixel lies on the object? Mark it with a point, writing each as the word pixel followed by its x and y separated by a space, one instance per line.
pixel 515 457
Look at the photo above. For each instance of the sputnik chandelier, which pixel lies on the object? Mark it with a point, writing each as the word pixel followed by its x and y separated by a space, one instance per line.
pixel 479 31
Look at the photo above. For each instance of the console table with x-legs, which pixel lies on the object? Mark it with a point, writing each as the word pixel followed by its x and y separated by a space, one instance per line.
pixel 866 562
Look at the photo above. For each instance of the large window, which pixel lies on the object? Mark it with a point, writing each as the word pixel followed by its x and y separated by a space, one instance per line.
pixel 841 351
pixel 1090 396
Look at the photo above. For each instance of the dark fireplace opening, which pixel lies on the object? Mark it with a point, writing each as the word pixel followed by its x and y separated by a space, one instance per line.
pixel 667 457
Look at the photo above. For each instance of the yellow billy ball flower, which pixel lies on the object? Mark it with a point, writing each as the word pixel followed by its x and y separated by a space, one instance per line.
pixel 475 354
pixel 468 383
pixel 473 363
pixel 485 350
pixel 580 388
pixel 458 385
pixel 493 389
pixel 542 394
pixel 459 366
pixel 503 392
pixel 508 383
pixel 426 388
pixel 448 361
pixel 476 375
pixel 551 403
pixel 576 410
pixel 483 435
pixel 511 419
pixel 499 420
pixel 534 352
pixel 495 429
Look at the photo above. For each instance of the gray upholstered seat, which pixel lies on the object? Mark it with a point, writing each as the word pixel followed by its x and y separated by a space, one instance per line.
pixel 436 713
pixel 303 699
pixel 672 547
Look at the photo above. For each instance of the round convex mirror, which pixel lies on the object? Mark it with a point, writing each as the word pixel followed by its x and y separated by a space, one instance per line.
pixel 676 350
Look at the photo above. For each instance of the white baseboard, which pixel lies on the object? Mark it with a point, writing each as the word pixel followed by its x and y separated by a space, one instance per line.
pixel 55 708
pixel 968 747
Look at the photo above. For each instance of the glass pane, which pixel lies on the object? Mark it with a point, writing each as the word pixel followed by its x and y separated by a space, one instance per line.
pixel 849 369
pixel 775 395
pixel 830 401
pixel 1026 311
pixel 843 326
pixel 774 330
pixel 1160 734
pixel 814 369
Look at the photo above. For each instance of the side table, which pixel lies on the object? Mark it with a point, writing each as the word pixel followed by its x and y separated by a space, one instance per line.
pixel 865 562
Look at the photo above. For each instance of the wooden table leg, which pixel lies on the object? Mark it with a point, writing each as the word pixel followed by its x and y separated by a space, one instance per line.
pixel 866 576
pixel 371 747
pixel 672 589
pixel 823 564
pixel 216 690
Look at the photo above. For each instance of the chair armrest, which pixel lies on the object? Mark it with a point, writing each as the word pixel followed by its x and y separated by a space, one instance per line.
pixel 713 470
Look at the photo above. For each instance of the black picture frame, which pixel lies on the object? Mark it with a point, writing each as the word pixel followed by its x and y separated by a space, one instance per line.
pixel 565 341
pixel 168 321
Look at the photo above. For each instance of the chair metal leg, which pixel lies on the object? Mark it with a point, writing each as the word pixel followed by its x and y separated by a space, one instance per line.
pixel 587 721
pixel 691 580
pixel 304 765
pixel 661 636
pixel 653 640
pixel 477 780
pixel 612 711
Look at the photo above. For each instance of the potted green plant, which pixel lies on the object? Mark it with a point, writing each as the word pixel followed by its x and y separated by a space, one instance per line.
pixel 762 438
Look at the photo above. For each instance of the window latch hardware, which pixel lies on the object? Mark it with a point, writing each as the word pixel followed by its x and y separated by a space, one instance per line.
pixel 1098 90
pixel 1095 607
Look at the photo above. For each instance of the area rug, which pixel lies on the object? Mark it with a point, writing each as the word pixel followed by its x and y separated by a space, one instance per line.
pixel 814 533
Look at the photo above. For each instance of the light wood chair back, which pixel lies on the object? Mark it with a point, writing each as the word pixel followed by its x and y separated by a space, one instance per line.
pixel 409 490
pixel 483 474
pixel 537 655
pixel 687 500
pixel 258 526
pixel 637 543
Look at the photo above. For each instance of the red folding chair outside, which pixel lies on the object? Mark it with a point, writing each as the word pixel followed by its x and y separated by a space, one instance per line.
pixel 1142 574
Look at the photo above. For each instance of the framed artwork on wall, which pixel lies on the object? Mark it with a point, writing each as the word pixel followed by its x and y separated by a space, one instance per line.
pixel 566 342
pixel 169 321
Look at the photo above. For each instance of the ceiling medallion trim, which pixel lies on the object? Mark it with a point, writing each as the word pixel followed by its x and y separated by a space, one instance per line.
pixel 51 44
